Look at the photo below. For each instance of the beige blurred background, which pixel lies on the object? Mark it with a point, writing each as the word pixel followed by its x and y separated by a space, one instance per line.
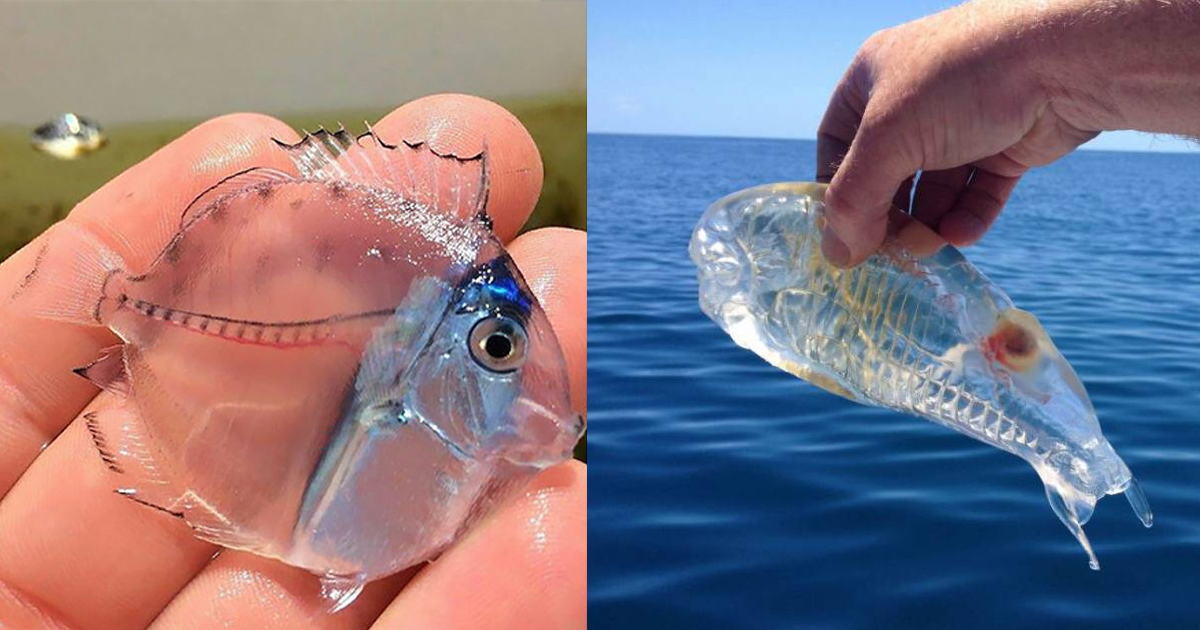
pixel 147 72
pixel 126 62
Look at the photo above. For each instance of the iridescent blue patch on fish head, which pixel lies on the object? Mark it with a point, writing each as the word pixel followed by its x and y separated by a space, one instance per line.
pixel 492 379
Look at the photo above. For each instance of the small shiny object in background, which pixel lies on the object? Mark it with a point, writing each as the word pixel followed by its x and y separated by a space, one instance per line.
pixel 68 137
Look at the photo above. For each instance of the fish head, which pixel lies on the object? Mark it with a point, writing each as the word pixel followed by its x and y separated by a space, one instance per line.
pixel 1040 376
pixel 492 380
pixel 1075 461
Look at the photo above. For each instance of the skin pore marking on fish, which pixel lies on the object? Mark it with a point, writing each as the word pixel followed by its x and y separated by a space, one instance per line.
pixel 299 334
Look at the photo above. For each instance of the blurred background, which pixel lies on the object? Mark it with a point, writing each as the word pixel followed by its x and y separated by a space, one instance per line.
pixel 146 73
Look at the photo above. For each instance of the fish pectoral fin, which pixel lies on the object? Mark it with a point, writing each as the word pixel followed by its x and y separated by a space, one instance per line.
pixel 108 370
pixel 1074 511
pixel 455 184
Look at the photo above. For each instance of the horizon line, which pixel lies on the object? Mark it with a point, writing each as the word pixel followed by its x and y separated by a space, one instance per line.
pixel 793 139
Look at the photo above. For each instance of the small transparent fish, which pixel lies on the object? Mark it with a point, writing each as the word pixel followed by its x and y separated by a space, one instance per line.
pixel 68 137
pixel 916 328
pixel 340 368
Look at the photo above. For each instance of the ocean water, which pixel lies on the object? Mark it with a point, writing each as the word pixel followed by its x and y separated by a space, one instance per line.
pixel 727 494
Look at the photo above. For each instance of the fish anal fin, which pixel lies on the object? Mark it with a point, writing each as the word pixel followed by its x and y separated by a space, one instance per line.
pixel 456 185
pixel 132 495
pixel 213 200
pixel 108 370
pixel 209 525
pixel 125 448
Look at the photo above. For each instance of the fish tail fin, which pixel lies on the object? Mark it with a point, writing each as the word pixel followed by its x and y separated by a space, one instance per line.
pixel 75 278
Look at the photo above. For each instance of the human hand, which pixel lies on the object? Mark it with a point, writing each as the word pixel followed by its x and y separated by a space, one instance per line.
pixel 975 96
pixel 74 554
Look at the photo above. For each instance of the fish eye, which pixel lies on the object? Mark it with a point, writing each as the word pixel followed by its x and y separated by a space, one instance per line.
pixel 498 343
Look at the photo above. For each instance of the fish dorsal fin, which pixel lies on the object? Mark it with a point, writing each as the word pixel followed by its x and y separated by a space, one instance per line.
pixel 453 184
pixel 260 179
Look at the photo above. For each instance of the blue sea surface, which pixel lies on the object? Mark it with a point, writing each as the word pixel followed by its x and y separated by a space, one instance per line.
pixel 728 494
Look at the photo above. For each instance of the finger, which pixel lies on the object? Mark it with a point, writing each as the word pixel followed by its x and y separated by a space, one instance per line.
pixel 136 214
pixel 462 125
pixel 977 207
pixel 130 213
pixel 242 590
pixel 902 200
pixel 862 190
pixel 937 191
pixel 119 562
pixel 831 150
pixel 553 262
pixel 912 236
pixel 840 122
pixel 538 542
pixel 526 567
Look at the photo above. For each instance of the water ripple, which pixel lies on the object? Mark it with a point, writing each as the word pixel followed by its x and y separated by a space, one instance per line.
pixel 728 494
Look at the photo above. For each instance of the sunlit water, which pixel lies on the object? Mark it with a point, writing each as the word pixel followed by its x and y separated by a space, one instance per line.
pixel 730 494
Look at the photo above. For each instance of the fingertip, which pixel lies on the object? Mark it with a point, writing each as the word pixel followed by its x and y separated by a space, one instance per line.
pixel 850 235
pixel 554 263
pixel 464 125
pixel 834 249
pixel 961 228
pixel 537 540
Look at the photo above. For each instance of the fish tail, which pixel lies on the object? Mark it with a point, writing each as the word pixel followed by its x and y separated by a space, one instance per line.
pixel 76 278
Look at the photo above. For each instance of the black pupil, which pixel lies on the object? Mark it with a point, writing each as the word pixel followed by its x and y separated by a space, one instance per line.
pixel 498 346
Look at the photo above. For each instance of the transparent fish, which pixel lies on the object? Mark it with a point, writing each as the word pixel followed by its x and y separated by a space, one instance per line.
pixel 916 328
pixel 68 137
pixel 340 368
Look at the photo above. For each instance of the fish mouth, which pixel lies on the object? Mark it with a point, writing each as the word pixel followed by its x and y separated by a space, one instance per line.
pixel 1074 505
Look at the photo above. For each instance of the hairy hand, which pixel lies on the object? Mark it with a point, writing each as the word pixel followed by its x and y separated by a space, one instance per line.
pixel 975 96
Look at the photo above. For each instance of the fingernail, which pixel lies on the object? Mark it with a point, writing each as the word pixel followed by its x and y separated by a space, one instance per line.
pixel 834 249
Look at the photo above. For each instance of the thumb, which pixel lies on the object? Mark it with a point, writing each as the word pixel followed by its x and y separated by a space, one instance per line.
pixel 861 192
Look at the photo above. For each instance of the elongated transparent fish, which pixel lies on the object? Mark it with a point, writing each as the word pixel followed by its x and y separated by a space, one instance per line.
pixel 916 328
pixel 338 367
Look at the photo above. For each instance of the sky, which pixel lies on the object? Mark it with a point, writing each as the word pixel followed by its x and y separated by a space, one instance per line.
pixel 751 68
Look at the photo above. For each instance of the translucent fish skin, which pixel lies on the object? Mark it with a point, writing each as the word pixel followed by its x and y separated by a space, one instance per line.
pixel 339 367
pixel 923 334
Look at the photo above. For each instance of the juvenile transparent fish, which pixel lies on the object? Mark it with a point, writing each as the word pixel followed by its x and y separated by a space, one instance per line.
pixel 68 137
pixel 338 367
pixel 916 328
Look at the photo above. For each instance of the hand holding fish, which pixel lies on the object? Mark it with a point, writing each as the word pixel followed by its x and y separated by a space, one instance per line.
pixel 74 552
pixel 976 95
